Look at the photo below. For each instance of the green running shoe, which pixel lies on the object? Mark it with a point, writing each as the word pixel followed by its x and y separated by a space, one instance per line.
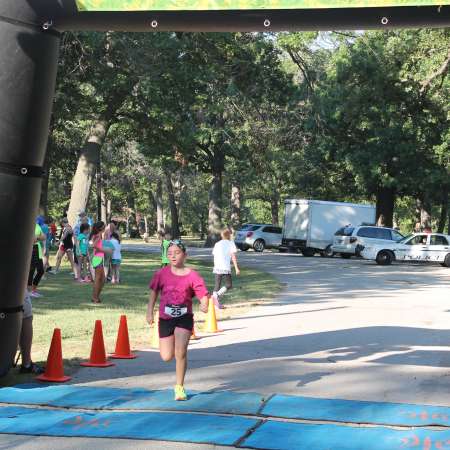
pixel 180 393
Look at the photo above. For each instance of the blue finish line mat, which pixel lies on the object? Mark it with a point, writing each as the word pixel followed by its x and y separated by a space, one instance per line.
pixel 335 410
pixel 202 418
pixel 291 407
pixel 292 436
pixel 184 427
pixel 214 429
pixel 114 398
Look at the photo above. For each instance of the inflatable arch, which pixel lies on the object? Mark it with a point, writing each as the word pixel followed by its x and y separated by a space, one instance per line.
pixel 29 35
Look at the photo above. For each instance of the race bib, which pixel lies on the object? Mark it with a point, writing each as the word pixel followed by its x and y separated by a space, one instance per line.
pixel 175 310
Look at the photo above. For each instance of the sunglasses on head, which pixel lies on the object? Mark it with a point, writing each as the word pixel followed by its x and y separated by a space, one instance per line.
pixel 179 244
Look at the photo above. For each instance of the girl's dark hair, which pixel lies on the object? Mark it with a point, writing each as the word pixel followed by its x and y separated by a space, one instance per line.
pixel 84 227
pixel 115 236
pixel 96 228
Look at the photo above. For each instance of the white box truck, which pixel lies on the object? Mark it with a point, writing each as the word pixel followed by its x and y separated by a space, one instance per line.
pixel 309 225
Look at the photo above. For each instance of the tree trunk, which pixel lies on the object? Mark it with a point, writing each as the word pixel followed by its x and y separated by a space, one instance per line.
pixel 423 210
pixel 214 210
pixel 99 187
pixel 104 205
pixel 448 223
pixel 235 218
pixel 87 164
pixel 43 203
pixel 108 210
pixel 133 228
pixel 444 210
pixel 275 209
pixel 385 206
pixel 173 207
pixel 177 188
pixel 159 206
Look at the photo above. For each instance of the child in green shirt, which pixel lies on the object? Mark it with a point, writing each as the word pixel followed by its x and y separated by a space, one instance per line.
pixel 164 247
pixel 82 252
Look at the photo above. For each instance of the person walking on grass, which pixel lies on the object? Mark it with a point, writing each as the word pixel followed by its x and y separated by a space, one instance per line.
pixel 96 242
pixel 224 252
pixel 66 248
pixel 176 285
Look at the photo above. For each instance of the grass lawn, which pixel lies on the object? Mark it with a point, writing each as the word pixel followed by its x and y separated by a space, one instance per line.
pixel 67 305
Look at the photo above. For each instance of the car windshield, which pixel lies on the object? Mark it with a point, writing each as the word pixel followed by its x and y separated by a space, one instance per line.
pixel 344 231
pixel 405 239
pixel 396 236
pixel 249 227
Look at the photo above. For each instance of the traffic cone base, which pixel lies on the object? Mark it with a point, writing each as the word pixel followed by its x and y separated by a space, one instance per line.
pixel 89 364
pixel 54 369
pixel 130 356
pixel 122 350
pixel 194 337
pixel 62 379
pixel 211 321
pixel 98 354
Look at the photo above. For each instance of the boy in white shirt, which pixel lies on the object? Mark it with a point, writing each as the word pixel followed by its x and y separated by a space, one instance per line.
pixel 224 252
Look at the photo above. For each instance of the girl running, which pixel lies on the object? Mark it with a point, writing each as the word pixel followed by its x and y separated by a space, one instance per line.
pixel 176 285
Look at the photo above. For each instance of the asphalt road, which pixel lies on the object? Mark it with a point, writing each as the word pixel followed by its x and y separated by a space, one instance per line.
pixel 340 329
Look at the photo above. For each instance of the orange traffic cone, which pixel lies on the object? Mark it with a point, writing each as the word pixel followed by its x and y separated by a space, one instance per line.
pixel 98 354
pixel 54 370
pixel 123 342
pixel 211 321
pixel 155 336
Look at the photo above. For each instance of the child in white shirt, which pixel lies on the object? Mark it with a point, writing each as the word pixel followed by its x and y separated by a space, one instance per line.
pixel 224 252
pixel 116 259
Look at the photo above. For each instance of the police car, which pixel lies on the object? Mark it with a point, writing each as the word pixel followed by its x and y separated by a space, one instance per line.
pixel 426 247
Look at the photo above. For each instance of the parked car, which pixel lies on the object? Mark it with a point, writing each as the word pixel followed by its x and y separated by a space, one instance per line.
pixel 350 240
pixel 258 236
pixel 426 247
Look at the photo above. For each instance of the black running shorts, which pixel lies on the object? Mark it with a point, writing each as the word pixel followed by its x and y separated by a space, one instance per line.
pixel 167 326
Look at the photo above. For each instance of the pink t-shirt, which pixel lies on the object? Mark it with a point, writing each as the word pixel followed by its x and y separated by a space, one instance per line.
pixel 177 289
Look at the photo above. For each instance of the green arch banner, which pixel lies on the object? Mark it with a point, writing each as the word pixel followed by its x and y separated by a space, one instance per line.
pixel 224 5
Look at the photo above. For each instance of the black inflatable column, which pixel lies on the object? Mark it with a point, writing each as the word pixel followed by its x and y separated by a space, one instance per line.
pixel 28 62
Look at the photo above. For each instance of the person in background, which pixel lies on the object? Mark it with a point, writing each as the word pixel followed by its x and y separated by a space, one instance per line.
pixel 109 230
pixel 82 253
pixel 66 248
pixel 166 237
pixel 116 259
pixel 97 243
pixel 224 252
pixel 82 219
pixel 53 230
pixel 26 339
pixel 37 264
pixel 45 227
